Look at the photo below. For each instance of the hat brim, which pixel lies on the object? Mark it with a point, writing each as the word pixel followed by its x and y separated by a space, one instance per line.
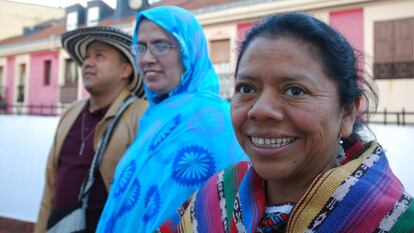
pixel 77 41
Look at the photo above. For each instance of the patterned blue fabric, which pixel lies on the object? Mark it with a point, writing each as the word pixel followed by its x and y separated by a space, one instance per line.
pixel 181 142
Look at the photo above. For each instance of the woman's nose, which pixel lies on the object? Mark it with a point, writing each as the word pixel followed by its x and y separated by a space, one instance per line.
pixel 266 107
pixel 148 57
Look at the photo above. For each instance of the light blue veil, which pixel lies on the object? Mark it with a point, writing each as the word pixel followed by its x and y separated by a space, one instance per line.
pixel 181 141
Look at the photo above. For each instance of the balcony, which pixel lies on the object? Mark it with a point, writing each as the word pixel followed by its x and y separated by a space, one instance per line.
pixel 394 70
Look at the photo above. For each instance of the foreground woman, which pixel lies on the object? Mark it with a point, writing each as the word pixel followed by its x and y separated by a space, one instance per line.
pixel 186 134
pixel 297 106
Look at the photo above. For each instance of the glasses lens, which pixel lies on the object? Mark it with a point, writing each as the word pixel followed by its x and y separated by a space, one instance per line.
pixel 133 49
pixel 160 48
pixel 141 49
pixel 138 49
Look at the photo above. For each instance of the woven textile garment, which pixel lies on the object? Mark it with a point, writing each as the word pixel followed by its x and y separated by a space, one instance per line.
pixel 360 196
pixel 182 141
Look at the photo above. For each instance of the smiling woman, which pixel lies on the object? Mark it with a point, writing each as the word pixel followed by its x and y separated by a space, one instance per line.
pixel 297 113
pixel 286 107
pixel 160 65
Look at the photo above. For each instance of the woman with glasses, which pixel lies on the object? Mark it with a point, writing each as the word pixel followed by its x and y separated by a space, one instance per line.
pixel 184 137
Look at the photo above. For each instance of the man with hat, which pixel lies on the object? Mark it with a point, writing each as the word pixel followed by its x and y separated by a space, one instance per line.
pixel 112 81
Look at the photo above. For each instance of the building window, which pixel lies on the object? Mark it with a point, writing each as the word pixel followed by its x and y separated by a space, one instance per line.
pixel 220 56
pixel 93 16
pixel 71 73
pixel 393 49
pixel 2 85
pixel 220 51
pixel 1 75
pixel 21 83
pixel 47 70
pixel 72 21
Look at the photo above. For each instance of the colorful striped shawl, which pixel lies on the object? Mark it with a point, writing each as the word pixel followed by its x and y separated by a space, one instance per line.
pixel 360 196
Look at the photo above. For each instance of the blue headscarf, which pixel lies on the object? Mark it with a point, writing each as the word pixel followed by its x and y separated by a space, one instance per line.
pixel 181 141
pixel 199 75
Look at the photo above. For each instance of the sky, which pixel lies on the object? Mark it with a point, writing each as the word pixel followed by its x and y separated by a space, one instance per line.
pixel 62 3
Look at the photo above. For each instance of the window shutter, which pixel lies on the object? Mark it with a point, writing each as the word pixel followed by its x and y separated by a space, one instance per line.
pixel 403 31
pixel 404 46
pixel 394 49
pixel 383 42
pixel 220 51
pixel 383 54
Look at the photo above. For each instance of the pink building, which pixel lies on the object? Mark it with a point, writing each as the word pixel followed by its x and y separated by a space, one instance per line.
pixel 43 91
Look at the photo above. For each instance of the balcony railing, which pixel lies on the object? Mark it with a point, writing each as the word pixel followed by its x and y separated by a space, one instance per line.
pixel 37 110
pixel 394 70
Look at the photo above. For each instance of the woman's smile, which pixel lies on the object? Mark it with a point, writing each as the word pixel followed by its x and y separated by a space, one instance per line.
pixel 271 142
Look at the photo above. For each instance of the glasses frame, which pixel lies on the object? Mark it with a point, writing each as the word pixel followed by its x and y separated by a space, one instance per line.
pixel 152 49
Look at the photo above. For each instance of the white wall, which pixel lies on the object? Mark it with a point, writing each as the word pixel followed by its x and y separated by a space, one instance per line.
pixel 398 143
pixel 25 142
pixel 24 145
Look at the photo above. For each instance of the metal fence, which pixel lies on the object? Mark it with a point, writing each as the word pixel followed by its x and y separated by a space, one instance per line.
pixel 38 110
pixel 381 117
pixel 391 117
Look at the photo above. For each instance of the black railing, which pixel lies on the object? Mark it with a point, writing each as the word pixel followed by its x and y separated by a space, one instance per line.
pixel 37 110
pixel 391 117
pixel 381 117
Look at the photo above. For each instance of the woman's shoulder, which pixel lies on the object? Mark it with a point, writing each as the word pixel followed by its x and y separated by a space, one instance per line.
pixel 138 107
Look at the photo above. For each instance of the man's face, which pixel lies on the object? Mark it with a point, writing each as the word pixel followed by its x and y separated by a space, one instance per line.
pixel 104 70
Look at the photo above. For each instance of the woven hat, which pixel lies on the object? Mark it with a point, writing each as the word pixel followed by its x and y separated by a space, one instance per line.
pixel 77 41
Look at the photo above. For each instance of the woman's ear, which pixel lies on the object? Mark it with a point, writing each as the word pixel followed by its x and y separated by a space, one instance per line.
pixel 349 117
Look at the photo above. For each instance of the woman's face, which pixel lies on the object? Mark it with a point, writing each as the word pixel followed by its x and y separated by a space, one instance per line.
pixel 161 73
pixel 286 110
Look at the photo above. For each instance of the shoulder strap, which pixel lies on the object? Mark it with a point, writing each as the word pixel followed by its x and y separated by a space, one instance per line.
pixel 88 182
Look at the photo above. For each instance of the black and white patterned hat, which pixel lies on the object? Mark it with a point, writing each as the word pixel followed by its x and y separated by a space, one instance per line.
pixel 77 41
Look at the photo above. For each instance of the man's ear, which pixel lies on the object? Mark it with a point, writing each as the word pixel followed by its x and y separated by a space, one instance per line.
pixel 127 70
pixel 350 114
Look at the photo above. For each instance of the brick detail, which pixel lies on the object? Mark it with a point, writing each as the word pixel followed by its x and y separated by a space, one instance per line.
pixel 8 225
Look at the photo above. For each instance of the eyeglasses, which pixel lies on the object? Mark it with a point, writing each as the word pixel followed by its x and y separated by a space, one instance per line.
pixel 156 49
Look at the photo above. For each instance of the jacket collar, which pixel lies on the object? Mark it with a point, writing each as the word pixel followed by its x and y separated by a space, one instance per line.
pixel 116 103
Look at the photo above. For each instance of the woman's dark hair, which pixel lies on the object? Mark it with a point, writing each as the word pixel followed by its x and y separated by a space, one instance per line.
pixel 337 56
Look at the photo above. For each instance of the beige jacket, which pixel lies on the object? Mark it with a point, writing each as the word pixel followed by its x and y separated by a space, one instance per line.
pixel 122 137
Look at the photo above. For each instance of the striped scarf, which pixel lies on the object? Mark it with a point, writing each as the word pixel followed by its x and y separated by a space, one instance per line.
pixel 361 196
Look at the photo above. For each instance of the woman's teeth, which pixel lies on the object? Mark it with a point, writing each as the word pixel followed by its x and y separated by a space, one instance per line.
pixel 272 142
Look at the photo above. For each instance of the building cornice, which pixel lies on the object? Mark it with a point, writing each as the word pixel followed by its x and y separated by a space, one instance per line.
pixel 45 44
pixel 253 10
pixel 49 43
pixel 242 11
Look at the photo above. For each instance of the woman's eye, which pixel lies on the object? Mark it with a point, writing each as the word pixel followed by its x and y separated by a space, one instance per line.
pixel 295 91
pixel 244 89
